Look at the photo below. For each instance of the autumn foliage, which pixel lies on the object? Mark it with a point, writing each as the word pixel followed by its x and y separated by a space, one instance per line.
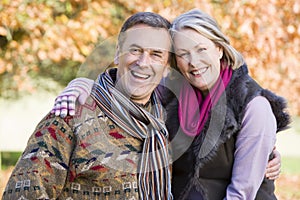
pixel 55 39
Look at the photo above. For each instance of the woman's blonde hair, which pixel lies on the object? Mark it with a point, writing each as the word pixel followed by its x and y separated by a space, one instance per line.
pixel 205 25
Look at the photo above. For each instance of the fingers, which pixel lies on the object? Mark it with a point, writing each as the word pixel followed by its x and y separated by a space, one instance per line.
pixel 57 106
pixel 273 172
pixel 64 105
pixel 60 106
pixel 71 104
pixel 80 89
pixel 273 176
pixel 274 166
pixel 54 108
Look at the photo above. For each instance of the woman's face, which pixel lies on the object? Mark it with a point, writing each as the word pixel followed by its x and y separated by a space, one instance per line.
pixel 198 58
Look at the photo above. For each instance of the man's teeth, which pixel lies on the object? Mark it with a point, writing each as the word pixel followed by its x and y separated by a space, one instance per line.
pixel 140 75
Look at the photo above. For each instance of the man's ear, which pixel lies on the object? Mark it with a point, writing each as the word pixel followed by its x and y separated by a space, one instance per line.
pixel 166 71
pixel 117 54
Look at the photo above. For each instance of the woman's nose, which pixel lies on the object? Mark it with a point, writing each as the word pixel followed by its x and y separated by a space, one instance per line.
pixel 193 59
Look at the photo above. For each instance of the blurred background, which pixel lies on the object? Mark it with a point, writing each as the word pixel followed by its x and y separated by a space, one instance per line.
pixel 46 43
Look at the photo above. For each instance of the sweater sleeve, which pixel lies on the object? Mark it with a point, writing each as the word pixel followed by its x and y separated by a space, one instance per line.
pixel 253 147
pixel 41 171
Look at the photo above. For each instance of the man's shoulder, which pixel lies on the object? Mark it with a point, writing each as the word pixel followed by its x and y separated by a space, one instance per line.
pixel 90 106
pixel 88 114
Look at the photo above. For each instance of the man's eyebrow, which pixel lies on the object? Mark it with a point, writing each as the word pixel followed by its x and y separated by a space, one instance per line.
pixel 158 50
pixel 135 45
pixel 155 50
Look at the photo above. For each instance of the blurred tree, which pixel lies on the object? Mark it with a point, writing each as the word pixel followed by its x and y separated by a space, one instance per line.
pixel 68 38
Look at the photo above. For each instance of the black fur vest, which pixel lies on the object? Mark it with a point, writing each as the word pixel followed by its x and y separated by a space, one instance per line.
pixel 204 163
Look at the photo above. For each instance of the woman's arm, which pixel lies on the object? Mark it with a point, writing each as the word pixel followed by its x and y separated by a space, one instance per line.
pixel 78 89
pixel 254 144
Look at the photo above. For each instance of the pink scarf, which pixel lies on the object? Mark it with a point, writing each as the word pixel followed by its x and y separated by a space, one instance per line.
pixel 193 109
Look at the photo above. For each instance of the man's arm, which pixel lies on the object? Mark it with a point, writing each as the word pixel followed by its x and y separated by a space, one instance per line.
pixel 41 171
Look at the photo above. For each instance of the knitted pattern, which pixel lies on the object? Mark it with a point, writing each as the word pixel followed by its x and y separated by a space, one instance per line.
pixel 82 157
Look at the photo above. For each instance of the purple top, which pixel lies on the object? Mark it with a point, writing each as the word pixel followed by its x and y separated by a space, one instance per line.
pixel 254 143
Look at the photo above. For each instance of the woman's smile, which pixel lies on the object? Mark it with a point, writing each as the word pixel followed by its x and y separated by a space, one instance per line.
pixel 199 72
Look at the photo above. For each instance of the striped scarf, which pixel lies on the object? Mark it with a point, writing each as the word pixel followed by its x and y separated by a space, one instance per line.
pixel 154 176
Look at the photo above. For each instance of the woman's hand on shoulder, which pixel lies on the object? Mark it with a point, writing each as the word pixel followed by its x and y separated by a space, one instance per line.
pixel 78 89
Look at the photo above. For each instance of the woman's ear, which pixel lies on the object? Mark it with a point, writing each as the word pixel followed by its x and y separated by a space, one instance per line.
pixel 117 54
pixel 220 49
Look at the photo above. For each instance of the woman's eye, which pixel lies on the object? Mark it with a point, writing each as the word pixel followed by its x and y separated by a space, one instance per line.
pixel 182 54
pixel 201 49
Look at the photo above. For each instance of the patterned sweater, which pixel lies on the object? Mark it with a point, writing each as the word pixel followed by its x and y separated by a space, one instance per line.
pixel 82 157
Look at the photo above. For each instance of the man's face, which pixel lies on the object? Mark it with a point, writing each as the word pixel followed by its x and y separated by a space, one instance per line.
pixel 142 61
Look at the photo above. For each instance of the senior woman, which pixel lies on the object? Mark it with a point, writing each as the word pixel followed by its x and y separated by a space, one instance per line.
pixel 233 121
pixel 222 123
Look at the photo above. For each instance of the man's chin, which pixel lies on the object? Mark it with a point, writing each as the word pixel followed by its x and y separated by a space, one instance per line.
pixel 141 96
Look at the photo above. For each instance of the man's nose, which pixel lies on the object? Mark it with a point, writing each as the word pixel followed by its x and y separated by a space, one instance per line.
pixel 144 59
